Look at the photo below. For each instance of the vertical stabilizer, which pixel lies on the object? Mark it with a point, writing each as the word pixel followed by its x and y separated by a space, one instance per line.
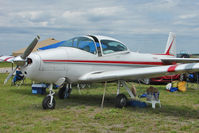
pixel 171 45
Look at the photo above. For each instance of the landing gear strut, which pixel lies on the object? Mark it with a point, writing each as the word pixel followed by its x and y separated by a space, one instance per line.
pixel 49 101
pixel 121 100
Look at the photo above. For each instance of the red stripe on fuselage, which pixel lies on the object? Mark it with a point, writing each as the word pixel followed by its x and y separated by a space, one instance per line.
pixel 108 62
pixel 172 68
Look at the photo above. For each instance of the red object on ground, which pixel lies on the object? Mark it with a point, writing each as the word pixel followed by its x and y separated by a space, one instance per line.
pixel 165 79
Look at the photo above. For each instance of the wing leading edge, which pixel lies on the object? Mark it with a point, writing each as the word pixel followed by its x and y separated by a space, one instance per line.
pixel 138 73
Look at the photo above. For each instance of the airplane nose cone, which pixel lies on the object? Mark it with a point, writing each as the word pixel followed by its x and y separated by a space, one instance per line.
pixel 32 65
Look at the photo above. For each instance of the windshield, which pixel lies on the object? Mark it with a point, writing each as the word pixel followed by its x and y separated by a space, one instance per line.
pixel 110 46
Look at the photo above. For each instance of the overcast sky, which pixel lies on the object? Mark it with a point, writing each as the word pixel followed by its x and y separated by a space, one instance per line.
pixel 143 25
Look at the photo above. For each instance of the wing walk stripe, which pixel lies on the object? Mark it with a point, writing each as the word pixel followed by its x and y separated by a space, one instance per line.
pixel 172 68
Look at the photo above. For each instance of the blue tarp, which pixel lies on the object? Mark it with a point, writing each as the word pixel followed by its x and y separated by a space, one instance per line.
pixel 55 45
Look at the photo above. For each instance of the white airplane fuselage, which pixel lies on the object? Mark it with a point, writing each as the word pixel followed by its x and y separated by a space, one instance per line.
pixel 72 63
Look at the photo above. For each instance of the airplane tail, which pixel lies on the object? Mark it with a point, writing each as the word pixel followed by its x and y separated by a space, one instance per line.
pixel 171 45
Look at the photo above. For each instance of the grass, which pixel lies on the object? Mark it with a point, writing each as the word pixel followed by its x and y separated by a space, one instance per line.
pixel 21 111
pixel 6 64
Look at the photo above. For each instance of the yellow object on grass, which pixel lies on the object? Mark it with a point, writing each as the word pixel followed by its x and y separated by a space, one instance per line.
pixel 182 86
pixel 175 84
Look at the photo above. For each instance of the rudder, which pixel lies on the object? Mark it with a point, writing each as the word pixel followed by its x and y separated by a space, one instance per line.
pixel 171 45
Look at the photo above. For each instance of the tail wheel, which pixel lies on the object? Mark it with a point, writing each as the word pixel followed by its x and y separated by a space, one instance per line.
pixel 121 101
pixel 46 103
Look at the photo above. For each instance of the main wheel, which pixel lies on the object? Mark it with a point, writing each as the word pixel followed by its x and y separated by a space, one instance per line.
pixel 120 101
pixel 61 92
pixel 64 92
pixel 46 103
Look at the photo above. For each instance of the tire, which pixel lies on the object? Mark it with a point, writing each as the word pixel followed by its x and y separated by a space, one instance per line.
pixel 62 92
pixel 120 101
pixel 46 103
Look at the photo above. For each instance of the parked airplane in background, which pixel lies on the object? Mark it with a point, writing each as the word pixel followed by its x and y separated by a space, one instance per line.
pixel 6 58
pixel 90 58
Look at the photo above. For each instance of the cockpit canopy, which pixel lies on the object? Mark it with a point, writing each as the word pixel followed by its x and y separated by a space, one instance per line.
pixel 102 45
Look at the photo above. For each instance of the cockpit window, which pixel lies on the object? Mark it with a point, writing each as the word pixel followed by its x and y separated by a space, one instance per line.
pixel 82 43
pixel 68 43
pixel 110 46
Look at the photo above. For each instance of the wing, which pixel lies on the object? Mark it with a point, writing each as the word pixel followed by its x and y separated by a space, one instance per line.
pixel 180 60
pixel 6 58
pixel 139 73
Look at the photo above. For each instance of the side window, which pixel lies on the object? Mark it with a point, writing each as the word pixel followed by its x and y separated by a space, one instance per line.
pixel 75 42
pixel 86 44
pixel 82 43
pixel 110 46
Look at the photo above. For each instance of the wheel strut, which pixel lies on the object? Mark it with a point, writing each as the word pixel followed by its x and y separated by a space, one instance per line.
pixel 49 101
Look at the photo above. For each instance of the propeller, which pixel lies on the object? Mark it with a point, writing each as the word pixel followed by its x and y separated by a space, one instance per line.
pixel 30 47
pixel 21 60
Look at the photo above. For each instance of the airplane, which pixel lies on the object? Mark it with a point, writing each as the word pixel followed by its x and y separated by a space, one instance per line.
pixel 94 58
pixel 6 58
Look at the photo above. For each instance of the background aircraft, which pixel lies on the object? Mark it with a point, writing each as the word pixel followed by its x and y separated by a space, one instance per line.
pixel 90 58
pixel 6 58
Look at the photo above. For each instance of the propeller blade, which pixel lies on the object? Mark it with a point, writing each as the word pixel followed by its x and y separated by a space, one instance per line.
pixel 30 47
pixel 10 75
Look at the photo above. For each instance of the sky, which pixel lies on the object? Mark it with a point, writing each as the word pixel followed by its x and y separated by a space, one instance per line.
pixel 143 25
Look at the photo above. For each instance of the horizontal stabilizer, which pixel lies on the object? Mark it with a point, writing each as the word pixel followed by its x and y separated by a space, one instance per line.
pixel 180 60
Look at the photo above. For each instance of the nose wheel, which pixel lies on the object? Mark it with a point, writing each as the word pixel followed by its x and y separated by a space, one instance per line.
pixel 49 101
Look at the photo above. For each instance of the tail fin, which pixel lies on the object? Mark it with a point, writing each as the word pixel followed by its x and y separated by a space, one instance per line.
pixel 171 45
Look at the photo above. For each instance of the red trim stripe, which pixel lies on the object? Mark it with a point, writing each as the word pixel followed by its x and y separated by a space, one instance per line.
pixel 111 62
pixel 168 51
pixel 7 58
pixel 172 68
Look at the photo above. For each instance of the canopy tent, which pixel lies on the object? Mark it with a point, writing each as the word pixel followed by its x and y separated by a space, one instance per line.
pixel 52 45
pixel 40 44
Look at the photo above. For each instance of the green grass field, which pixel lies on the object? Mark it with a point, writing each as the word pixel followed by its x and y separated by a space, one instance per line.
pixel 21 111
pixel 6 64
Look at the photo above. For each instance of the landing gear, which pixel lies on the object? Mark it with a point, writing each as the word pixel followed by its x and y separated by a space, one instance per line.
pixel 121 101
pixel 49 101
pixel 146 81
pixel 64 92
pixel 47 104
